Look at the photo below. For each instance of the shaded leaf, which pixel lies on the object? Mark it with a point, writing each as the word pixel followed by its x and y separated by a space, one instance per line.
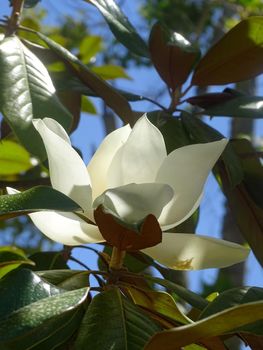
pixel 69 82
pixel 241 106
pixel 66 279
pixel 121 325
pixel 224 322
pixel 121 27
pixel 35 199
pixel 172 55
pixel 34 95
pixel 128 237
pixel 248 216
pixel 14 159
pixel 49 261
pixel 237 56
pixel 110 96
pixel 72 101
pixel 210 100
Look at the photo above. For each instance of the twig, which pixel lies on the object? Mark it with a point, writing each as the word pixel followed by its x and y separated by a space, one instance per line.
pixel 14 20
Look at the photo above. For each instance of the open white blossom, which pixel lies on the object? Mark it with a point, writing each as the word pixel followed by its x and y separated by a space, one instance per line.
pixel 132 176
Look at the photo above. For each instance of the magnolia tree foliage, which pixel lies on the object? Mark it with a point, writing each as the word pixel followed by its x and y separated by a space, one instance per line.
pixel 138 197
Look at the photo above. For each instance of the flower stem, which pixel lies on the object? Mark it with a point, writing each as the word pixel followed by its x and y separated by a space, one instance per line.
pixel 117 257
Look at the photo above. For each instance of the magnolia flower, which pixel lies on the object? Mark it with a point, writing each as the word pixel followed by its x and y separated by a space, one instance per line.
pixel 131 176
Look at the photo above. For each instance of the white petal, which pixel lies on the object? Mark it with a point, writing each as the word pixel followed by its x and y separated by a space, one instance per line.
pixel 183 251
pixel 66 228
pixel 139 159
pixel 135 201
pixel 186 170
pixel 100 162
pixel 68 173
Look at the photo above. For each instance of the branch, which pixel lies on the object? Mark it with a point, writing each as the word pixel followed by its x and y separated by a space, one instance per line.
pixel 14 20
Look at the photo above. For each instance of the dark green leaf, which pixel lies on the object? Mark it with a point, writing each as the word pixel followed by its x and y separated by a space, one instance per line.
pixel 34 95
pixel 110 96
pixel 227 321
pixel 198 132
pixel 121 26
pixel 252 168
pixel 48 261
pixel 172 55
pixel 66 279
pixel 35 199
pixel 237 56
pixel 68 82
pixel 42 322
pixel 242 106
pixel 112 322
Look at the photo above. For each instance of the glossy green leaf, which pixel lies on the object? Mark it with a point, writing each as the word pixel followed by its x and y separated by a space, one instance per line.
pixel 113 322
pixel 121 27
pixel 42 322
pixel 35 199
pixel 49 260
pixel 34 95
pixel 241 106
pixel 110 96
pixel 11 258
pixel 89 47
pixel 14 159
pixel 23 287
pixel 190 297
pixel 227 321
pixel 172 55
pixel 198 132
pixel 66 279
pixel 109 72
pixel 237 56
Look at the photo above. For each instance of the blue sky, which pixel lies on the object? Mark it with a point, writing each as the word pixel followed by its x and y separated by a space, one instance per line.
pixel 146 81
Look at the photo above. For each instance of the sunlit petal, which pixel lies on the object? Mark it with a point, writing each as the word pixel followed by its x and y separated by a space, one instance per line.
pixel 186 170
pixel 182 251
pixel 139 159
pixel 135 201
pixel 62 227
pixel 100 162
pixel 66 228
pixel 68 173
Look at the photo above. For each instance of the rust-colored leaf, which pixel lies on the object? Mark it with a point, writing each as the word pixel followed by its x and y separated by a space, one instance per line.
pixel 124 237
pixel 172 55
pixel 72 101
